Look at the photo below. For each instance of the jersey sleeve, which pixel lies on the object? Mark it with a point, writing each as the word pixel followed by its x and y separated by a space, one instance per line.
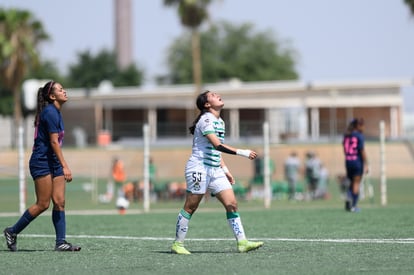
pixel 206 125
pixel 52 122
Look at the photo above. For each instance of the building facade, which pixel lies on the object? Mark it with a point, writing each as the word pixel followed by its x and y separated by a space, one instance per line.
pixel 295 111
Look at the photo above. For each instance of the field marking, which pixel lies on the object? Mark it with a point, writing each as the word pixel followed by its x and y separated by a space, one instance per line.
pixel 353 240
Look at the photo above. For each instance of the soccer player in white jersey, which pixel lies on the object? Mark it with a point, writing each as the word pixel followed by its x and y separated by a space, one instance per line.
pixel 206 171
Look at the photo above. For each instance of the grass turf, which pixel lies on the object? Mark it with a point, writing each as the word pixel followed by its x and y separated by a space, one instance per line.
pixel 315 237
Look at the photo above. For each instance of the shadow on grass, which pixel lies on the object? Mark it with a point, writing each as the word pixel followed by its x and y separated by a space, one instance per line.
pixel 197 252
pixel 27 250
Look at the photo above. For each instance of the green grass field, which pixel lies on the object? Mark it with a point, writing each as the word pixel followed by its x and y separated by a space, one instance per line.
pixel 316 237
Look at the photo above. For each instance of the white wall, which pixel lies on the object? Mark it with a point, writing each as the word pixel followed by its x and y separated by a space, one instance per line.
pixel 6 128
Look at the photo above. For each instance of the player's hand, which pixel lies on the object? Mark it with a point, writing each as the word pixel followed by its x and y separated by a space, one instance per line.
pixel 230 177
pixel 67 174
pixel 252 155
pixel 246 153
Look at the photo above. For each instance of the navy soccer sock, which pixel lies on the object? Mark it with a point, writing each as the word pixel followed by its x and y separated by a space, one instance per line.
pixel 355 198
pixel 21 224
pixel 59 222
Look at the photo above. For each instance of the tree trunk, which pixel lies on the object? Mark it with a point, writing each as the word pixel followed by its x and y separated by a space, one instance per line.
pixel 197 75
pixel 17 115
pixel 196 52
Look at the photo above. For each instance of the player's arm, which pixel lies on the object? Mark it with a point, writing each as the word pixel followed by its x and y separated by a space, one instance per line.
pixel 54 142
pixel 364 157
pixel 365 160
pixel 215 141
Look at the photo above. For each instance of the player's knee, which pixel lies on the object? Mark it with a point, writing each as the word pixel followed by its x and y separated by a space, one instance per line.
pixel 59 205
pixel 190 208
pixel 231 207
pixel 43 205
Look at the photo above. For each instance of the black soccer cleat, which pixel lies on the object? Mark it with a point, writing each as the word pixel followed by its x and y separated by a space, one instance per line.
pixel 11 239
pixel 65 246
pixel 347 205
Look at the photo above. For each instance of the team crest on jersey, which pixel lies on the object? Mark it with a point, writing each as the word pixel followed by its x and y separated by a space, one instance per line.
pixel 197 186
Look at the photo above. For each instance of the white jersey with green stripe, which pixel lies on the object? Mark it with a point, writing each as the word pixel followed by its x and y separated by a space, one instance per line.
pixel 202 149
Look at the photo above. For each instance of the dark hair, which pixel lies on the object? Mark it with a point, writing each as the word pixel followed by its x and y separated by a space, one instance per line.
pixel 353 124
pixel 43 99
pixel 200 102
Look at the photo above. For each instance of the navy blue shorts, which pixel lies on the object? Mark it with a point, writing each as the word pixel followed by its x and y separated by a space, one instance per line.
pixel 40 167
pixel 352 171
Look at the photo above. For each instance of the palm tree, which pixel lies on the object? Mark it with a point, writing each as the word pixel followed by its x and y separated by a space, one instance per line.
pixel 20 33
pixel 410 4
pixel 192 14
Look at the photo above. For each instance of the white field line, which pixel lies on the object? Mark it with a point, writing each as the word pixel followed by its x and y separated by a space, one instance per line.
pixel 372 241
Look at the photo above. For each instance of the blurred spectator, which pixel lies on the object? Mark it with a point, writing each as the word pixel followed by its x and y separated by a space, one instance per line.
pixel 152 171
pixel 312 173
pixel 292 166
pixel 118 175
pixel 177 190
pixel 321 191
pixel 130 190
pixel 343 183
pixel 258 177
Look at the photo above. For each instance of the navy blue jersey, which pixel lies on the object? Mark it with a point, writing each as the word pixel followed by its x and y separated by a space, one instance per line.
pixel 353 145
pixel 50 121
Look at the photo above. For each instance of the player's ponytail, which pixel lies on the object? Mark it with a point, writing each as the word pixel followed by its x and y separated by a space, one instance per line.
pixel 200 102
pixel 43 99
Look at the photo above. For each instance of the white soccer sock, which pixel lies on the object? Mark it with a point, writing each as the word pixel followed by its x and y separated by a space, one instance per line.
pixel 181 229
pixel 236 225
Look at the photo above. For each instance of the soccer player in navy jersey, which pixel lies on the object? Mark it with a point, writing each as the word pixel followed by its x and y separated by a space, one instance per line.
pixel 206 171
pixel 356 162
pixel 48 167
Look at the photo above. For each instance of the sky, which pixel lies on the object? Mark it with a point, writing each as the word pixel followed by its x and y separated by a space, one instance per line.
pixel 336 40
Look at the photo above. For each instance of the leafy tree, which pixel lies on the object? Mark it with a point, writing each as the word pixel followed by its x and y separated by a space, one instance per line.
pixel 230 51
pixel 20 34
pixel 192 14
pixel 46 70
pixel 6 102
pixel 410 4
pixel 91 70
